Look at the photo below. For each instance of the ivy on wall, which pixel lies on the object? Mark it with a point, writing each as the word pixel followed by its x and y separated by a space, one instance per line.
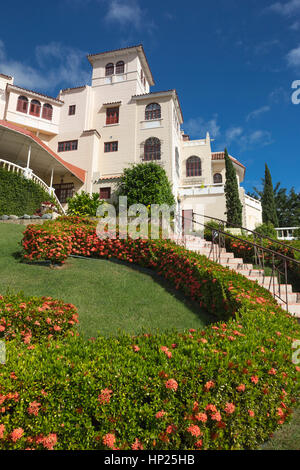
pixel 19 196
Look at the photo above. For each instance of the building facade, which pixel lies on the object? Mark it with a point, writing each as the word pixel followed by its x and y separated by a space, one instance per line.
pixel 86 136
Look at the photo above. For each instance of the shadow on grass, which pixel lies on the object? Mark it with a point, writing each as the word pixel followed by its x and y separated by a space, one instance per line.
pixel 166 285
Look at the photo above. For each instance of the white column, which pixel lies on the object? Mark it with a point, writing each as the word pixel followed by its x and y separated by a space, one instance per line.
pixel 51 179
pixel 28 156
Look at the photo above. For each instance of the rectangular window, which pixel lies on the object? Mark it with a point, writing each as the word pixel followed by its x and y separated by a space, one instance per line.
pixel 112 115
pixel 72 109
pixel 64 191
pixel 105 193
pixel 111 146
pixel 68 145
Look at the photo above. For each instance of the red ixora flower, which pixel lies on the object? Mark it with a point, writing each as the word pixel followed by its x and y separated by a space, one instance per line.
pixel 210 384
pixel 229 408
pixel 241 388
pixel 201 417
pixel 109 440
pixel 195 430
pixel 251 413
pixel 172 384
pixel 34 408
pixel 160 414
pixel 105 396
pixel 216 416
pixel 166 351
pixel 137 445
pixel 254 379
pixel 16 434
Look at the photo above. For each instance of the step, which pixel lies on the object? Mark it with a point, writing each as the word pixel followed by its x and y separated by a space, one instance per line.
pixel 263 280
pixel 294 309
pixel 204 251
pixel 292 297
pixel 245 271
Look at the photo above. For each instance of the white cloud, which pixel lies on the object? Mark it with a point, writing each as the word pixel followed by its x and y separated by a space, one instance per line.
pixel 233 133
pixel 293 57
pixel 57 65
pixel 233 137
pixel 197 127
pixel 258 138
pixel 257 112
pixel 265 46
pixel 124 13
pixel 288 8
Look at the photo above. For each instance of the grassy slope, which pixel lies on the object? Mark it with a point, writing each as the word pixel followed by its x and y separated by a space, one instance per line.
pixel 109 296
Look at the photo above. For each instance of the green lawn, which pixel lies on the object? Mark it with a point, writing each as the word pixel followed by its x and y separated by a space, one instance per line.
pixel 110 296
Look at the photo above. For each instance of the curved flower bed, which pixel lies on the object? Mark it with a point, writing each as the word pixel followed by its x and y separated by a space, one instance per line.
pixel 228 386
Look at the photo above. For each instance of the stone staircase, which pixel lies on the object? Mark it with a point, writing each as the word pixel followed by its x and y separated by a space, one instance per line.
pixel 228 260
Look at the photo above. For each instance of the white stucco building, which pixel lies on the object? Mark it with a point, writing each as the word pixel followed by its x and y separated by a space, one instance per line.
pixel 86 136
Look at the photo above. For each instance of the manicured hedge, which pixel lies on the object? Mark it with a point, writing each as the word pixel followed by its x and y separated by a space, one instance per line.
pixel 35 318
pixel 19 196
pixel 228 386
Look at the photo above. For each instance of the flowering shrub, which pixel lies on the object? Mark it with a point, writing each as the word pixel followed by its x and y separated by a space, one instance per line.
pixel 228 386
pixel 34 318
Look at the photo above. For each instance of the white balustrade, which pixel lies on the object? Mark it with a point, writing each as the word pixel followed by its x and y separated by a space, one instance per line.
pixel 28 174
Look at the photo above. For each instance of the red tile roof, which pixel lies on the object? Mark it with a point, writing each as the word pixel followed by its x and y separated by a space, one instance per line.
pixel 10 86
pixel 171 91
pixel 221 156
pixel 75 170
pixel 112 177
pixel 138 46
pixel 5 76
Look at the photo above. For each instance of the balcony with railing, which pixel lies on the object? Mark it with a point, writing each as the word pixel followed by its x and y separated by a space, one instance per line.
pixel 200 189
pixel 286 233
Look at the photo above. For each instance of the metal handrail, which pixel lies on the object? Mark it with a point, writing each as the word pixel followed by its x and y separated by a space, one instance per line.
pixel 216 252
pixel 258 235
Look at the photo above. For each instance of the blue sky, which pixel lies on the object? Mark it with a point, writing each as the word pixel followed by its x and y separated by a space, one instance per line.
pixel 232 63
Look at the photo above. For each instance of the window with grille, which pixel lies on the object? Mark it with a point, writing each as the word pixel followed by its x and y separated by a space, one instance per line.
pixel 47 111
pixel 111 146
pixel 72 109
pixel 120 67
pixel 35 108
pixel 64 191
pixel 193 166
pixel 152 149
pixel 217 178
pixel 152 111
pixel 105 193
pixel 109 69
pixel 112 115
pixel 67 145
pixel 22 104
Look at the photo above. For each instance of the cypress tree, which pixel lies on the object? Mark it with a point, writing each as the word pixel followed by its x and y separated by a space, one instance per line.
pixel 269 214
pixel 234 208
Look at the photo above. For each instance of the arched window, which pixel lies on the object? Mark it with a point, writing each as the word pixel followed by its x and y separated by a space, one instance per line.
pixel 109 69
pixel 35 108
pixel 152 111
pixel 22 104
pixel 47 111
pixel 120 66
pixel 152 149
pixel 193 166
pixel 217 178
